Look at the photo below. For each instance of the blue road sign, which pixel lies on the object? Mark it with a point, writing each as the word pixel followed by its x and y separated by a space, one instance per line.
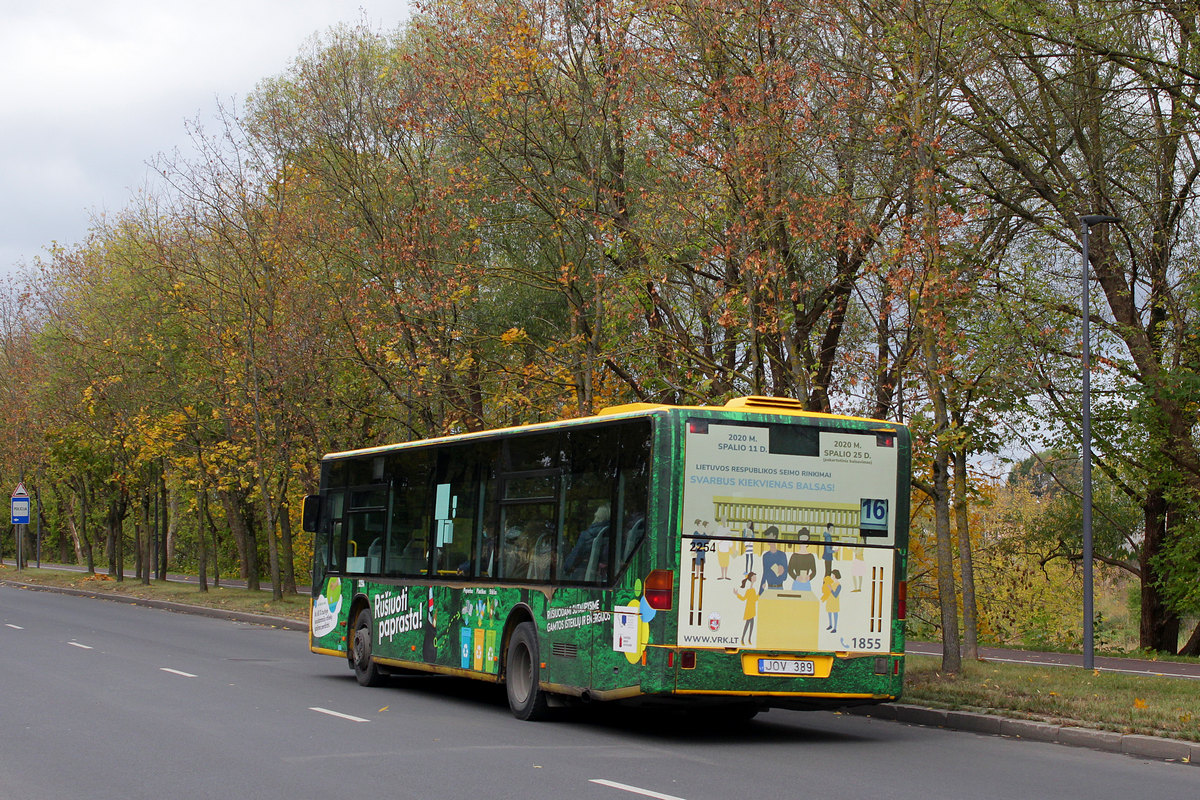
pixel 20 506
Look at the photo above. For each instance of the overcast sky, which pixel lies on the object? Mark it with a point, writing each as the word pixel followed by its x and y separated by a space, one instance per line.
pixel 92 90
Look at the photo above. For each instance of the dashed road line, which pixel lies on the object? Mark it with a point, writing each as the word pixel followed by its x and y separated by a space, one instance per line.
pixel 337 714
pixel 14 627
pixel 178 672
pixel 634 789
pixel 81 646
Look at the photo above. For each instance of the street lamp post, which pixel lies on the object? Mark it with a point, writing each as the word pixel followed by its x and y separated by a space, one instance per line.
pixel 1089 649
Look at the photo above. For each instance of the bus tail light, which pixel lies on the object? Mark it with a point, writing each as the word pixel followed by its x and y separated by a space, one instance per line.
pixel 687 659
pixel 658 589
pixel 902 600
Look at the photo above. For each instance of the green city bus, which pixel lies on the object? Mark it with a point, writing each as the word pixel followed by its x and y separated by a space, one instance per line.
pixel 743 556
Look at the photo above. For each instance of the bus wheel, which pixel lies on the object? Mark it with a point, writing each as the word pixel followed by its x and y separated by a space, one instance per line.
pixel 522 672
pixel 366 671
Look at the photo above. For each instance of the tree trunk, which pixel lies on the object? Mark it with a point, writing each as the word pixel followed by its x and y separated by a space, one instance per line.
pixel 1159 629
pixel 1192 648
pixel 947 599
pixel 288 559
pixel 67 536
pixel 171 522
pixel 202 540
pixel 83 537
pixel 243 536
pixel 216 541
pixel 272 550
pixel 142 545
pixel 951 656
pixel 965 561
pixel 114 539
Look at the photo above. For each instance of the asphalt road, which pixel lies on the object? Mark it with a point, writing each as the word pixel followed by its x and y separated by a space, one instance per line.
pixel 107 700
pixel 1131 666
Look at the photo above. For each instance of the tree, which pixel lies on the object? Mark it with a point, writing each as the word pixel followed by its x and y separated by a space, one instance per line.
pixel 1092 109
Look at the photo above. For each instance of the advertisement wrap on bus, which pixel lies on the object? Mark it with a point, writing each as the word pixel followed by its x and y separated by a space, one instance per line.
pixel 750 555
pixel 783 550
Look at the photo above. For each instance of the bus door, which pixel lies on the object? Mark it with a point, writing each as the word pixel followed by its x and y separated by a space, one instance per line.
pixel 620 458
pixel 329 606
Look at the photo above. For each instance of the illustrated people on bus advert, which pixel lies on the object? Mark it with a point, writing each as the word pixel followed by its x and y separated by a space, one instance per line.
pixel 827 550
pixel 858 568
pixel 802 567
pixel 724 548
pixel 748 547
pixel 774 562
pixel 831 591
pixel 751 598
pixel 700 540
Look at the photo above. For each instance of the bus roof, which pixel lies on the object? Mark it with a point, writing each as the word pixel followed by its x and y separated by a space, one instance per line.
pixel 751 403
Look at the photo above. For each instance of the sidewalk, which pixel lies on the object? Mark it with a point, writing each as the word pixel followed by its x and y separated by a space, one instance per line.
pixel 1134 666
pixel 175 577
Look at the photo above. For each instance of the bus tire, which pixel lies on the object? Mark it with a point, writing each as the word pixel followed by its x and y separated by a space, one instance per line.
pixel 366 671
pixel 522 674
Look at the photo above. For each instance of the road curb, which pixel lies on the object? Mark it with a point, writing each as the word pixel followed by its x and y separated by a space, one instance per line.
pixel 166 605
pixel 1129 744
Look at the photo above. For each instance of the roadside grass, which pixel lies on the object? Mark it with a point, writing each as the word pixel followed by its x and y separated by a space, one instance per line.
pixel 227 598
pixel 1153 706
pixel 1149 705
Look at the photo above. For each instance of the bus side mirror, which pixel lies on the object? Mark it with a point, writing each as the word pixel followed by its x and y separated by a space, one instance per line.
pixel 312 512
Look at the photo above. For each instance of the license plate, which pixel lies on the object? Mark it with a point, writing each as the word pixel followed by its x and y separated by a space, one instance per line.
pixel 785 666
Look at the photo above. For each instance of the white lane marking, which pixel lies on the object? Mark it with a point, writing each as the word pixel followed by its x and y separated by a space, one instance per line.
pixel 337 714
pixel 626 788
pixel 81 646
pixel 14 627
pixel 177 672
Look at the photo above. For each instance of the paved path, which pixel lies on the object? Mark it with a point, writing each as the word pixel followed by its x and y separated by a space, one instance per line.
pixel 178 577
pixel 1133 666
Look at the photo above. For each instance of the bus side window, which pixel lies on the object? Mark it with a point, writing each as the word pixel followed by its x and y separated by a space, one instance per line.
pixel 526 549
pixel 327 538
pixel 407 551
pixel 635 489
pixel 413 558
pixel 365 520
pixel 336 541
pixel 364 547
pixel 457 510
pixel 591 490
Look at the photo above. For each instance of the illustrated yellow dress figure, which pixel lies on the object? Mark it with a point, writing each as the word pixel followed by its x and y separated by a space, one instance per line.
pixel 751 598
pixel 831 591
